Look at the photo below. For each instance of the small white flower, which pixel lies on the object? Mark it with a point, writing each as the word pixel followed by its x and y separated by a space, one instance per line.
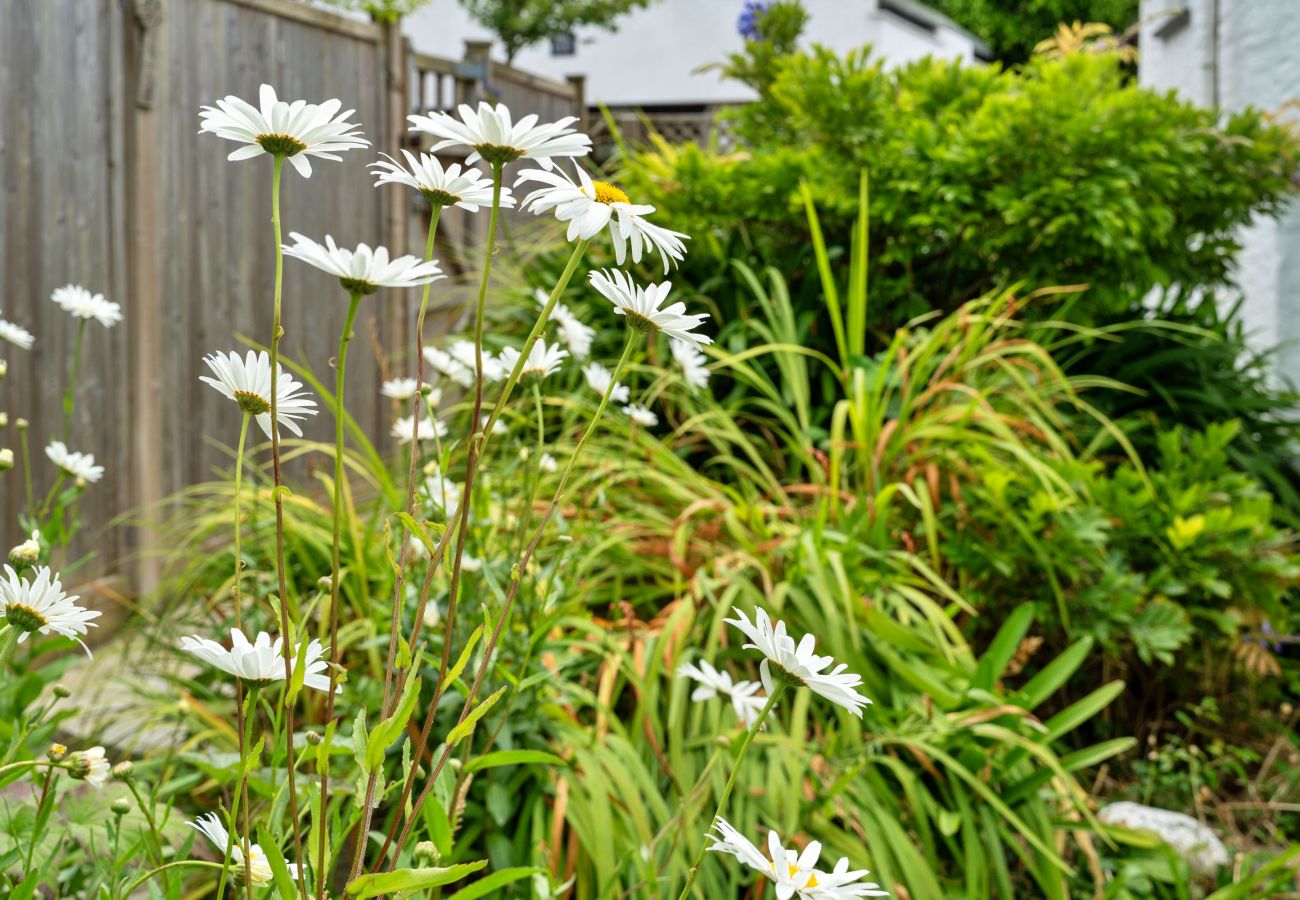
pixel 841 884
pixel 743 694
pixel 259 868
pixel 547 463
pixel 400 388
pixel 644 309
pixel 462 352
pixel 82 304
pixel 404 429
pixel 541 362
pixel 363 270
pixel 40 605
pixel 694 363
pixel 448 366
pixel 294 130
pixel 16 335
pixel 443 493
pixel 789 871
pixel 451 186
pixel 576 335
pixel 798 664
pixel 491 134
pixel 247 381
pixel 260 662
pixel 78 465
pixel 640 415
pixel 591 206
pixel 598 379
pixel 90 766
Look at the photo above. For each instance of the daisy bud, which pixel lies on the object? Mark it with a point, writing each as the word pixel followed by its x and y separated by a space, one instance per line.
pixel 89 766
pixel 426 854
pixel 4 369
pixel 314 738
pixel 121 806
pixel 4 419
pixel 56 752
pixel 6 459
pixel 61 692
pixel 124 771
pixel 27 553
pixel 21 424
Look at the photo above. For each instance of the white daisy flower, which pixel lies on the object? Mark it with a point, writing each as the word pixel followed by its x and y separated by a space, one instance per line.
pixel 573 331
pixel 400 388
pixel 462 352
pixel 494 138
pixel 90 766
pixel 640 415
pixel 40 605
pixel 450 367
pixel 294 130
pixel 840 884
pixel 363 271
pixel 591 206
pixel 694 363
pixel 547 463
pixel 404 429
pixel 442 492
pixel 743 694
pixel 247 381
pixel 260 662
pixel 541 362
pixel 790 872
pixel 16 335
pixel 78 465
pixel 82 304
pixel 259 868
pixel 452 186
pixel 598 379
pixel 798 665
pixel 644 309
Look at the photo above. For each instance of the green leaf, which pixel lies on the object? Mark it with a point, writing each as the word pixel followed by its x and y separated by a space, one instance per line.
pixel 279 869
pixel 996 659
pixel 466 728
pixel 463 660
pixel 497 879
pixel 410 879
pixel 418 530
pixel 391 728
pixel 513 758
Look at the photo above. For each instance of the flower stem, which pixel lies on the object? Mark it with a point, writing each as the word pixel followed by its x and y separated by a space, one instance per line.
pixel 38 825
pixel 340 475
pixel 147 811
pixel 197 863
pixel 779 688
pixel 27 471
pixel 521 566
pixel 277 332
pixel 74 366
pixel 239 486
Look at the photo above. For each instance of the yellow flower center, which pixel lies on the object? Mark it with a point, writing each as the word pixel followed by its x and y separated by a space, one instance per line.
pixel 608 193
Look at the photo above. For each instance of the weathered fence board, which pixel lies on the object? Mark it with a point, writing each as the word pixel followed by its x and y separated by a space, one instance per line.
pixel 107 183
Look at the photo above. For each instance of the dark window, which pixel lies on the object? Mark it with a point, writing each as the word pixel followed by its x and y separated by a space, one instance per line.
pixel 563 44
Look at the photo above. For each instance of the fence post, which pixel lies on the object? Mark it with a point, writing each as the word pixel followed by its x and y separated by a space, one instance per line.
pixel 144 268
pixel 579 85
pixel 478 54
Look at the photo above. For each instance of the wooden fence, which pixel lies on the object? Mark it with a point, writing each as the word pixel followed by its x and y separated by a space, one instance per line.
pixel 107 183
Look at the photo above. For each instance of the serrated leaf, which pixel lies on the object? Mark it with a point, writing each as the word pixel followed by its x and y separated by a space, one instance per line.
pixel 410 879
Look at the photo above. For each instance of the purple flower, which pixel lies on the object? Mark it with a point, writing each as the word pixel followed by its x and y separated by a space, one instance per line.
pixel 748 23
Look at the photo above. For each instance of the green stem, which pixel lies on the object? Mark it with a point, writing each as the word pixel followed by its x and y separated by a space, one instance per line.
pixel 180 863
pixel 40 819
pixel 340 475
pixel 74 366
pixel 731 783
pixel 27 471
pixel 277 331
pixel 556 293
pixel 239 486
pixel 239 806
pixel 8 640
pixel 521 566
pixel 147 811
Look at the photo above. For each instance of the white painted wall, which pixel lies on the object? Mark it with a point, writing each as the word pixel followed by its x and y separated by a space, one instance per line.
pixel 653 57
pixel 1252 58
